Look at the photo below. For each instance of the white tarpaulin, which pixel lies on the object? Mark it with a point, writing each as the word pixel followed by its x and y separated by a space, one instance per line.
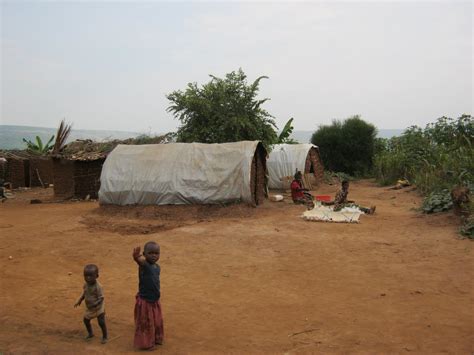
pixel 177 173
pixel 326 214
pixel 283 161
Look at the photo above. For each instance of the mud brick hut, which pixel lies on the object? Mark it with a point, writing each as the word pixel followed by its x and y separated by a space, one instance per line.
pixel 41 171
pixel 24 169
pixel 77 176
pixel 184 173
pixel 285 159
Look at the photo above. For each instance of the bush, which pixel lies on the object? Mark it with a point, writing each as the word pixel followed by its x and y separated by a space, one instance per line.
pixel 467 228
pixel 437 202
pixel 347 146
pixel 437 157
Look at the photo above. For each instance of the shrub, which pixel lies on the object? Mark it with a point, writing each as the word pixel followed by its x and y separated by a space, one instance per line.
pixel 347 146
pixel 434 158
pixel 467 228
pixel 437 202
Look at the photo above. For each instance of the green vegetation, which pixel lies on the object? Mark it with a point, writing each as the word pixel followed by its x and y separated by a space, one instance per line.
pixel 222 110
pixel 284 136
pixel 38 147
pixel 437 157
pixel 437 202
pixel 467 228
pixel 347 146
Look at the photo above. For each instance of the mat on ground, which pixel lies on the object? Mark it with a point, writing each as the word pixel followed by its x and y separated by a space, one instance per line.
pixel 326 214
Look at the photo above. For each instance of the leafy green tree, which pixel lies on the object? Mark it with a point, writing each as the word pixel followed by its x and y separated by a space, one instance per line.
pixel 39 147
pixel 222 110
pixel 347 146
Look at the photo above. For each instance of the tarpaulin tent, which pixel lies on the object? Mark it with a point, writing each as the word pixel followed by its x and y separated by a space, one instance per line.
pixel 184 173
pixel 285 159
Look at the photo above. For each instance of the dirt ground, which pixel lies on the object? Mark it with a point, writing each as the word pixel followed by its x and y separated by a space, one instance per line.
pixel 241 279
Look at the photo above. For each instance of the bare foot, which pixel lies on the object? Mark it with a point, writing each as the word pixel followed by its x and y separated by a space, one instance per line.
pixel 89 336
pixel 104 341
pixel 372 210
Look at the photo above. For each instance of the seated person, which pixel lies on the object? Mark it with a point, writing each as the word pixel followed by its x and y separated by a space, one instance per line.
pixel 299 194
pixel 341 201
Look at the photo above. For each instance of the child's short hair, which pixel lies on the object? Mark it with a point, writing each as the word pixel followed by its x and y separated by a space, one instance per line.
pixel 91 268
pixel 150 243
pixel 344 182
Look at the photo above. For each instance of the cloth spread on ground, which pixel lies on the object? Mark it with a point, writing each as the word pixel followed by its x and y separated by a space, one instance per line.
pixel 284 160
pixel 327 214
pixel 178 173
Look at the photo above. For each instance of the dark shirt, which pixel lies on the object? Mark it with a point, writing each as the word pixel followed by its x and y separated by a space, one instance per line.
pixel 149 282
pixel 341 199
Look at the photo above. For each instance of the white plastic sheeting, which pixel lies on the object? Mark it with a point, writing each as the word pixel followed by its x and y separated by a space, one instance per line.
pixel 178 173
pixel 283 161
pixel 326 214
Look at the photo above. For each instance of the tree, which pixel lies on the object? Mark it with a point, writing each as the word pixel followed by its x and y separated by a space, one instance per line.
pixel 223 110
pixel 347 146
pixel 61 136
pixel 39 147
pixel 284 136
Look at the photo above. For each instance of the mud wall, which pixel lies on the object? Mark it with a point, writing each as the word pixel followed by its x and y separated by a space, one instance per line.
pixel 314 165
pixel 63 178
pixel 3 169
pixel 18 172
pixel 87 178
pixel 257 175
pixel 45 170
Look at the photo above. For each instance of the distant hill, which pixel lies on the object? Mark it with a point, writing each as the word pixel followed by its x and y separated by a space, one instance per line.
pixel 11 137
pixel 305 136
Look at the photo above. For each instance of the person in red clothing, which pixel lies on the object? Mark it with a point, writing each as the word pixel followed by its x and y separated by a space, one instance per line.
pixel 299 194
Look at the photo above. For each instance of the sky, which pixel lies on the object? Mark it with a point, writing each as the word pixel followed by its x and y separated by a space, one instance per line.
pixel 108 65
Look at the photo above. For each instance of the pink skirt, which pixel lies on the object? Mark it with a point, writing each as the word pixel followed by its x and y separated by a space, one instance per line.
pixel 148 324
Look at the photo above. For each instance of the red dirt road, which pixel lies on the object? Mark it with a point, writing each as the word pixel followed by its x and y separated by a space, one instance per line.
pixel 243 280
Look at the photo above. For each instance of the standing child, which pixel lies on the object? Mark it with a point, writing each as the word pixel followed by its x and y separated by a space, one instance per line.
pixel 94 298
pixel 148 317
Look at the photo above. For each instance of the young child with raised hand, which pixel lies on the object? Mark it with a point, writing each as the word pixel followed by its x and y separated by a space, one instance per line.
pixel 94 297
pixel 148 316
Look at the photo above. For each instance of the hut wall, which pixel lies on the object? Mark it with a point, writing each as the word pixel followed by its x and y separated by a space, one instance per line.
pixel 18 172
pixel 87 178
pixel 63 178
pixel 257 175
pixel 3 169
pixel 45 170
pixel 314 165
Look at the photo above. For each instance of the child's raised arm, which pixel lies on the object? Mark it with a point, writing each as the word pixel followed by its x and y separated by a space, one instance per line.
pixel 139 259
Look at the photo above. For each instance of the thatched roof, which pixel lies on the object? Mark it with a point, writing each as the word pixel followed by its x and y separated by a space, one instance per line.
pixel 17 154
pixel 87 150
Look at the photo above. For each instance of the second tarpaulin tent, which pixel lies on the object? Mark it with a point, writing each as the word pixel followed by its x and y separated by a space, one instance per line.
pixel 285 159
